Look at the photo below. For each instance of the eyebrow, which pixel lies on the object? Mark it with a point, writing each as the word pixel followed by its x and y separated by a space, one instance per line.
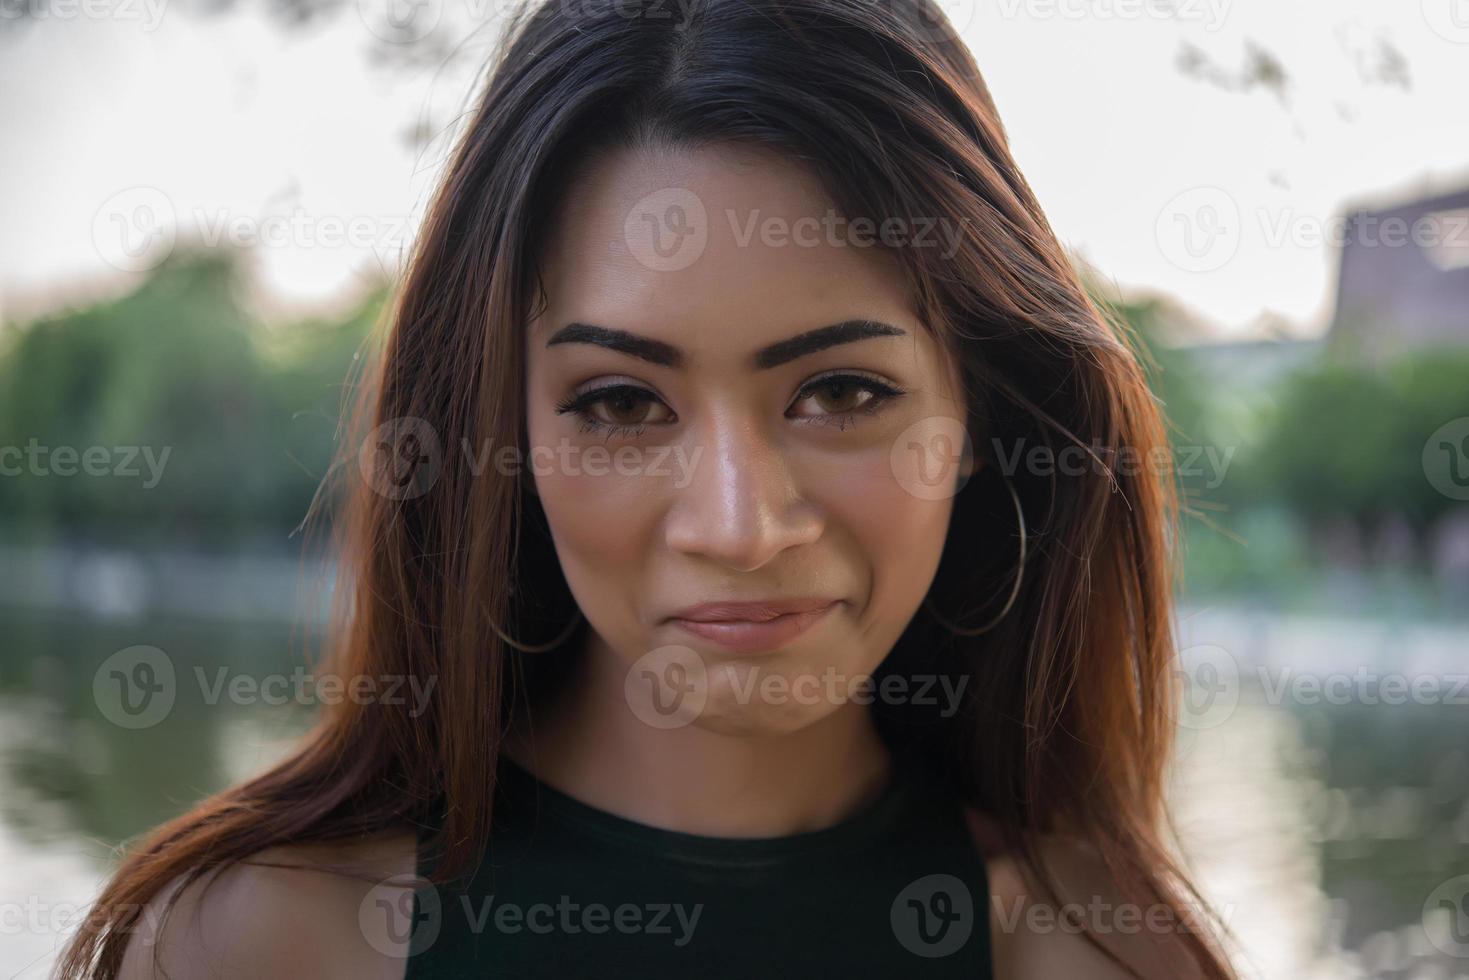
pixel 773 355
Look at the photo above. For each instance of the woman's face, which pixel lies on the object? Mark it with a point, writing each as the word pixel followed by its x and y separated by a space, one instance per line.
pixel 693 442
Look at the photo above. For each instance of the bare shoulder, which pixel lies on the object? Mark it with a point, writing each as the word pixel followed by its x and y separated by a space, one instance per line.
pixel 339 909
pixel 1035 936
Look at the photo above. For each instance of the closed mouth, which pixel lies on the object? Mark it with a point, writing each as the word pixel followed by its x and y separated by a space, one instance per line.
pixel 758 628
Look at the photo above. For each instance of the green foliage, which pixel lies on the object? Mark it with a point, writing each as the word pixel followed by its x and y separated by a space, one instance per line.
pixel 180 368
pixel 1340 440
pixel 1348 437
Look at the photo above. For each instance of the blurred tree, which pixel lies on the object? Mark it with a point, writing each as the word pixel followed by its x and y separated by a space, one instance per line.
pixel 1347 440
pixel 188 417
pixel 1336 444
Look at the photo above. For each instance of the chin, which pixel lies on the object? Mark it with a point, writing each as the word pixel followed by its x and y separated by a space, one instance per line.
pixel 739 702
pixel 751 721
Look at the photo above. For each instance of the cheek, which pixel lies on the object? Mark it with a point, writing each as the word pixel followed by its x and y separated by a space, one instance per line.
pixel 604 525
pixel 610 516
pixel 899 536
pixel 582 486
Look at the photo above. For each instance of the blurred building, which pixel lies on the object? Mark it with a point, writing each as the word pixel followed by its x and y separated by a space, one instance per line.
pixel 1404 277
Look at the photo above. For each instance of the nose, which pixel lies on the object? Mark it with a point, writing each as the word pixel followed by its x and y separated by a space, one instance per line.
pixel 741 507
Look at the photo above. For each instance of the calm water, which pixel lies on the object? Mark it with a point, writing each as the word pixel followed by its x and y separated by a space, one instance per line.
pixel 1321 820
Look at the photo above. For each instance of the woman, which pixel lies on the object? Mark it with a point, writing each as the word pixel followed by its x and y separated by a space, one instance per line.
pixel 715 489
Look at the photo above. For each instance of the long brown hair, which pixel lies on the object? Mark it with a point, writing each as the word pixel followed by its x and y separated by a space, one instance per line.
pixel 1067 720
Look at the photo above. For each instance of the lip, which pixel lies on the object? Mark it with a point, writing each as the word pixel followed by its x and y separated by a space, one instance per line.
pixel 753 627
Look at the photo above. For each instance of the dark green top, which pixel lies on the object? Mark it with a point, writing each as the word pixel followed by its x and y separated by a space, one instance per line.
pixel 567 890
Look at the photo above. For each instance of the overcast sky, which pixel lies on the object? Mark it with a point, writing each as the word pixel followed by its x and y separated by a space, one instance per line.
pixel 1180 181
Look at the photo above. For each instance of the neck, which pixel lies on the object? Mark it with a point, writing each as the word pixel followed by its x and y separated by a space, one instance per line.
pixel 588 744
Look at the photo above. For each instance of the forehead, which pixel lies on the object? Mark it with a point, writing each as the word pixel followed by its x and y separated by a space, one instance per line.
pixel 726 247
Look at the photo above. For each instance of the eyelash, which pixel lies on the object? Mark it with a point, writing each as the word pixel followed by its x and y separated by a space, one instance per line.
pixel 882 392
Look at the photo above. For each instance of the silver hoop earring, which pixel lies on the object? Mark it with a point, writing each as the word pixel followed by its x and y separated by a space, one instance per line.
pixel 539 648
pixel 1014 589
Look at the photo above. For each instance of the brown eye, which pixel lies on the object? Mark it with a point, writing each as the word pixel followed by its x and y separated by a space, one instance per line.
pixel 840 396
pixel 617 408
pixel 626 406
